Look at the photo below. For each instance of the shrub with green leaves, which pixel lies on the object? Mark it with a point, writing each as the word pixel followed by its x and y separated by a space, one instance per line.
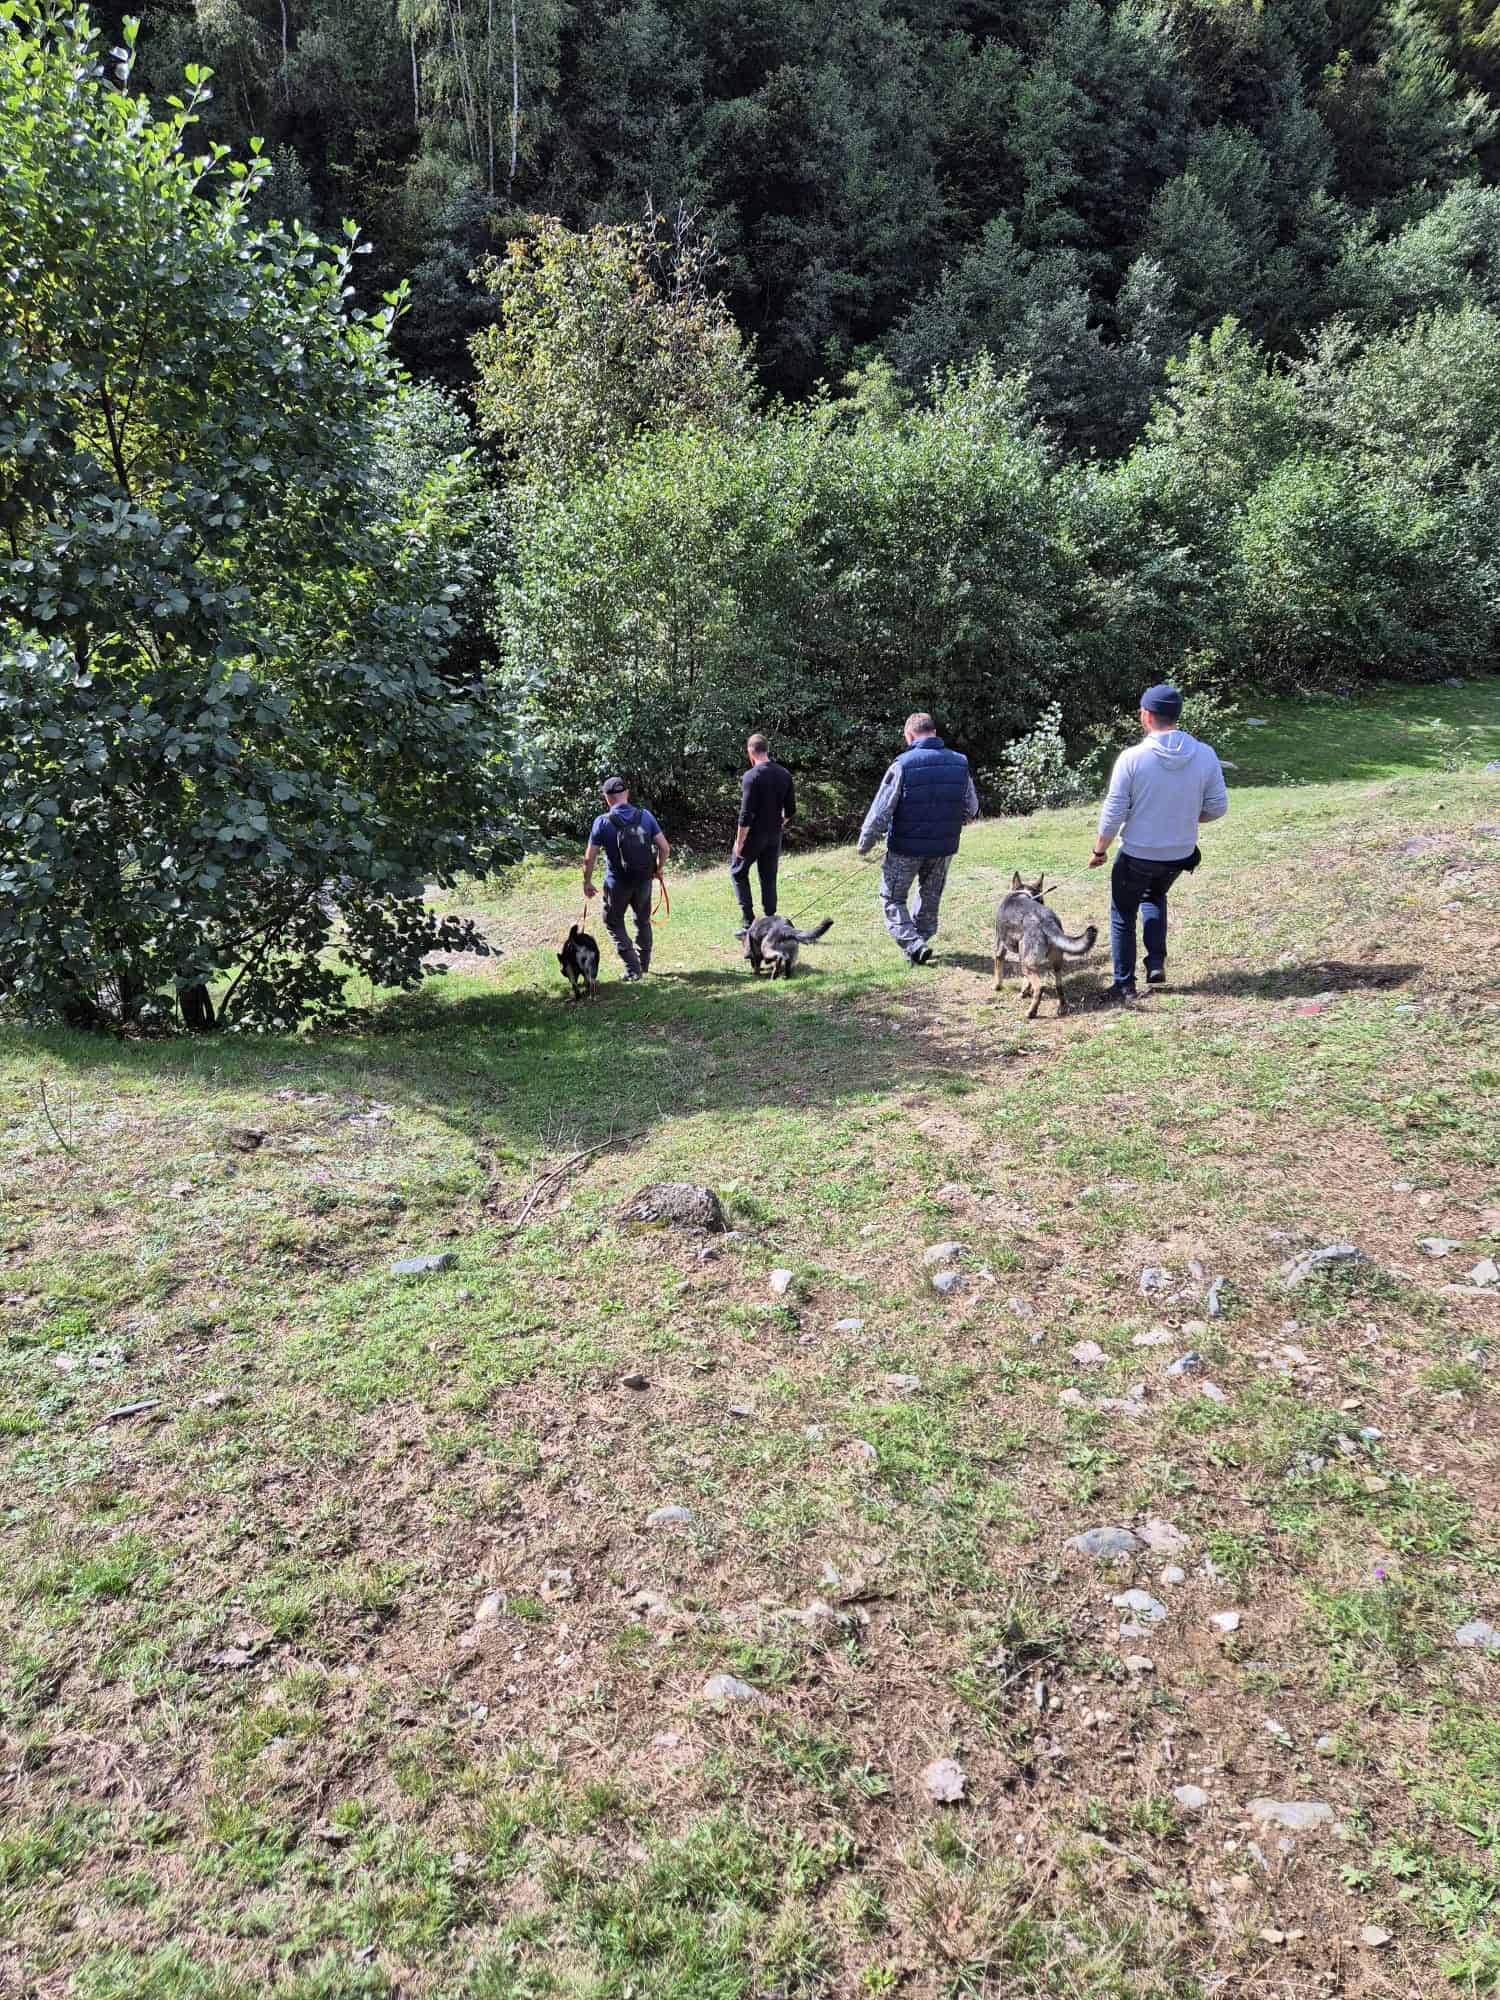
pixel 231 732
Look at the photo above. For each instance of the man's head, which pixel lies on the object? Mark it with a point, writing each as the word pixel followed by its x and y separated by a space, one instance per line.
pixel 616 792
pixel 919 725
pixel 757 749
pixel 1161 708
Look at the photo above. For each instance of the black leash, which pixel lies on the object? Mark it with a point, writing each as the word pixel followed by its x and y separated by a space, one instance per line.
pixel 843 887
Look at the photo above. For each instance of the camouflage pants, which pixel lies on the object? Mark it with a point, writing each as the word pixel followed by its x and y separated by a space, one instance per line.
pixel 916 880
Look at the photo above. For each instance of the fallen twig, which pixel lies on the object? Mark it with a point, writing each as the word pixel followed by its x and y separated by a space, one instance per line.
pixel 67 1145
pixel 549 1182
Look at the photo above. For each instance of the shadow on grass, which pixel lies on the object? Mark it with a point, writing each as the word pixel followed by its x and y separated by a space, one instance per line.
pixel 1300 982
pixel 520 1068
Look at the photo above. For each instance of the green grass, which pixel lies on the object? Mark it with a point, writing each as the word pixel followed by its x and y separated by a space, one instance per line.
pixel 257 1743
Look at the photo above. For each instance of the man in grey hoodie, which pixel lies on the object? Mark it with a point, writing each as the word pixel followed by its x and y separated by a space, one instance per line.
pixel 1160 792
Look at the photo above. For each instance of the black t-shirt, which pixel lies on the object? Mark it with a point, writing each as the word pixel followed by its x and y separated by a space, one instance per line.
pixel 766 796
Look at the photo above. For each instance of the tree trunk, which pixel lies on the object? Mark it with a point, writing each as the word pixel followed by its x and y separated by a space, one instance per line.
pixel 515 95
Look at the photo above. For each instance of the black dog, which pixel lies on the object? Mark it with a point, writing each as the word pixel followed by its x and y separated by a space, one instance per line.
pixel 579 959
pixel 775 940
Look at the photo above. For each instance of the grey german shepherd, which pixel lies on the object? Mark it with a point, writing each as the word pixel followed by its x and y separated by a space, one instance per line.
pixel 774 941
pixel 1027 930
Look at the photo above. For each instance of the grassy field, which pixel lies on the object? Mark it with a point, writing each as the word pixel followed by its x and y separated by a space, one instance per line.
pixel 340 1657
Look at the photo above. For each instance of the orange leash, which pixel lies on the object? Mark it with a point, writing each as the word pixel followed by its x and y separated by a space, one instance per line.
pixel 664 907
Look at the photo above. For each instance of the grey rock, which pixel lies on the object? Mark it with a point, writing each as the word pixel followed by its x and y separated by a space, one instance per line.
pixel 1158 1336
pixel 1326 1746
pixel 1478 1633
pixel 1192 1798
pixel 1162 1538
pixel 1225 1621
pixel 635 1380
pixel 674 1205
pixel 1439 1246
pixel 781 1281
pixel 1104 1543
pixel 1419 843
pixel 1190 1363
pixel 1328 1256
pixel 1154 1279
pixel 1142 1603
pixel 1493 766
pixel 1485 1272
pixel 1296 1815
pixel 1173 1573
pixel 670 1517
pixel 848 1326
pixel 726 1687
pixel 1087 1353
pixel 419 1267
pixel 741 1410
pixel 948 1281
pixel 903 1384
pixel 1257 722
pixel 1212 1392
pixel 1138 1663
pixel 944 1781
pixel 1489 832
pixel 1215 1298
pixel 945 1253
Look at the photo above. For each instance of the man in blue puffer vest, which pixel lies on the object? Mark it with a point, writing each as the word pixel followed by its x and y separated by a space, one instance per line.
pixel 923 801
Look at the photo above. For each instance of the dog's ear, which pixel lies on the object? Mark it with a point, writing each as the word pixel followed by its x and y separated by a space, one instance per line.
pixel 1015 880
pixel 1038 886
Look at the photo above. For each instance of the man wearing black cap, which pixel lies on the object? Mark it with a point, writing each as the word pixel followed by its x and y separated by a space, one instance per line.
pixel 634 847
pixel 1160 792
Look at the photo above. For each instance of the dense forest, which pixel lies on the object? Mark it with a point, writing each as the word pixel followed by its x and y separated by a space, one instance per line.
pixel 1077 187
pixel 678 372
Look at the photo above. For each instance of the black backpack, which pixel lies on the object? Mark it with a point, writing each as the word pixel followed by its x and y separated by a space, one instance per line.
pixel 637 848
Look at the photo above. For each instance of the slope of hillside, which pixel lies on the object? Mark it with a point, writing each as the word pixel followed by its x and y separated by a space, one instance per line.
pixel 342 1655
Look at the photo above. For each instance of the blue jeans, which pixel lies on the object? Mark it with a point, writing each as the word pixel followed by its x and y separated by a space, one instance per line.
pixel 1139 888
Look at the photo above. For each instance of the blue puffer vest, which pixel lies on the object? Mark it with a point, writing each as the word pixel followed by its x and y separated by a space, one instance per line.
pixel 934 799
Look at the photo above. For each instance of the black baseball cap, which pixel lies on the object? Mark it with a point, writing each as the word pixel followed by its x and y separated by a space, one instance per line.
pixel 613 785
pixel 1163 700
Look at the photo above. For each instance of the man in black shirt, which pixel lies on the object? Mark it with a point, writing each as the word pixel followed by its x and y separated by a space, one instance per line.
pixel 767 802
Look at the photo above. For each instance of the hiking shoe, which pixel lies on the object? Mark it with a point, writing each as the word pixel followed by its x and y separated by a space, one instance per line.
pixel 921 956
pixel 1158 977
pixel 1120 996
pixel 631 979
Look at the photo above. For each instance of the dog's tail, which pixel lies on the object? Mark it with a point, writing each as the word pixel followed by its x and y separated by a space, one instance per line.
pixel 812 936
pixel 1076 947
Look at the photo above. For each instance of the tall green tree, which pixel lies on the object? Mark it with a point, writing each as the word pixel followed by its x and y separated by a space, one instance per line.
pixel 231 733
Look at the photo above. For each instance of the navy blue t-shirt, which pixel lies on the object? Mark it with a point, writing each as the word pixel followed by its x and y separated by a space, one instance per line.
pixel 605 833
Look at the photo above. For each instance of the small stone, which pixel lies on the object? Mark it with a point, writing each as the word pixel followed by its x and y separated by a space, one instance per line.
pixel 1212 1393
pixel 1154 1278
pixel 635 1380
pixel 1213 1301
pixel 231 1656
pixel 1162 1538
pixel 1138 1663
pixel 1296 1815
pixel 1485 1272
pixel 1072 1399
pixel 848 1326
pixel 1256 722
pixel 670 1517
pixel 1480 1634
pixel 1195 1328
pixel 1087 1353
pixel 488 1612
pixel 1326 1746
pixel 726 1687
pixel 1420 843
pixel 1192 1798
pixel 865 1452
pixel 1297 1270
pixel 1439 1246
pixel 1190 1363
pixel 944 1781
pixel 1157 1337
pixel 1172 1574
pixel 781 1281
pixel 1142 1603
pixel 948 1281
pixel 1277 1729
pixel 741 1410
pixel 945 1253
pixel 420 1267
pixel 1226 1621
pixel 903 1384
pixel 1103 1544
pixel 1374 1935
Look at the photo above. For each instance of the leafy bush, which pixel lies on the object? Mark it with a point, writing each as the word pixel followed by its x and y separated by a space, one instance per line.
pixel 230 731
pixel 1034 773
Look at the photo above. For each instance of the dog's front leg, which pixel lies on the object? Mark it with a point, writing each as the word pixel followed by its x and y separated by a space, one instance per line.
pixel 999 971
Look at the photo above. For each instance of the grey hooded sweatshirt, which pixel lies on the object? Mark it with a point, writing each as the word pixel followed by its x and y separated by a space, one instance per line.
pixel 1159 790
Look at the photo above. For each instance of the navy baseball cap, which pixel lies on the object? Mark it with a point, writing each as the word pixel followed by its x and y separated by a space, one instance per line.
pixel 1163 700
pixel 613 785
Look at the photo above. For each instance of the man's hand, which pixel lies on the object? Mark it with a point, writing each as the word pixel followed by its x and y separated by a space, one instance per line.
pixel 1097 860
pixel 589 890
